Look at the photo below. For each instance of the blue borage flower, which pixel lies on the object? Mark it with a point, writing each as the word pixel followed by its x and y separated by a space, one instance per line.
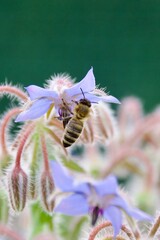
pixel 99 198
pixel 42 99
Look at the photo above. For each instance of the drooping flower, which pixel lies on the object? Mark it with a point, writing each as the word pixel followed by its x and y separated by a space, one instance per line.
pixel 98 198
pixel 42 99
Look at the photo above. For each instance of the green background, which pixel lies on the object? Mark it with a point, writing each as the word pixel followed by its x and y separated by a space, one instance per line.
pixel 119 38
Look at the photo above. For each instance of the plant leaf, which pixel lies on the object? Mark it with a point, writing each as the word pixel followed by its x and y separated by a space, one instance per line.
pixel 72 165
pixel 40 220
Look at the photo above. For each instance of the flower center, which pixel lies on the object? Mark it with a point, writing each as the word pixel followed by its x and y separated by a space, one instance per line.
pixel 95 212
pixel 98 203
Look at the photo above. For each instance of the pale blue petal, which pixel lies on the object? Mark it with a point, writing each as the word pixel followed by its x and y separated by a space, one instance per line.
pixel 139 215
pixel 87 84
pixel 95 99
pixel 114 215
pixel 132 212
pixel 37 109
pixel 75 204
pixel 110 99
pixel 64 181
pixel 118 201
pixel 82 188
pixel 38 92
pixel 61 179
pixel 107 186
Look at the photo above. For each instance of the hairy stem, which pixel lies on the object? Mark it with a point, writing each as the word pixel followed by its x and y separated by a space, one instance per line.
pixel 26 134
pixel 134 228
pixel 45 154
pixel 145 126
pixel 35 150
pixel 14 91
pixel 154 228
pixel 98 228
pixel 4 124
pixel 126 152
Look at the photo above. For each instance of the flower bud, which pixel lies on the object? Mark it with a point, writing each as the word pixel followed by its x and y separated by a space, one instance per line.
pixel 105 124
pixel 17 186
pixel 46 189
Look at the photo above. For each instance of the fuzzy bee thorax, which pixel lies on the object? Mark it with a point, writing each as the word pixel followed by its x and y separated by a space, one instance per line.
pixel 82 111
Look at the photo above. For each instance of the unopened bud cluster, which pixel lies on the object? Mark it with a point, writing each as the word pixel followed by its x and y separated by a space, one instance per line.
pixel 20 188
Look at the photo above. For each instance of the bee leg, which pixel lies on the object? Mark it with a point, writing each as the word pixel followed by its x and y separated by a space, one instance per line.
pixel 66 106
pixel 76 102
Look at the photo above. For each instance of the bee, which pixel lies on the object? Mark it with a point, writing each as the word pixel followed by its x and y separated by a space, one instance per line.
pixel 75 125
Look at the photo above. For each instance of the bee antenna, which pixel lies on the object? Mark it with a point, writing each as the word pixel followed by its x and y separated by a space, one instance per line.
pixel 82 93
pixel 94 102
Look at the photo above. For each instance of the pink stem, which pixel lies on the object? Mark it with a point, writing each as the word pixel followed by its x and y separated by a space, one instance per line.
pixel 13 90
pixel 4 124
pixel 18 137
pixel 26 134
pixel 146 125
pixel 128 152
pixel 98 228
pixel 45 154
pixel 9 233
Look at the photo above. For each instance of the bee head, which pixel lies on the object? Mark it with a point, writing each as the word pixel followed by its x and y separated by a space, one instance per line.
pixel 86 102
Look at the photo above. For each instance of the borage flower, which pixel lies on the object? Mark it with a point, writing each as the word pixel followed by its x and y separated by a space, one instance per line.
pixel 98 198
pixel 41 99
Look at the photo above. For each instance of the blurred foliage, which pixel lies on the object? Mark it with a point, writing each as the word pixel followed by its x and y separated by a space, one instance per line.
pixel 120 39
pixel 40 220
pixel 68 228
pixel 72 165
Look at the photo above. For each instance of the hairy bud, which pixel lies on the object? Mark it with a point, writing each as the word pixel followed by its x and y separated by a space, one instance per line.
pixel 17 185
pixel 33 191
pixel 46 189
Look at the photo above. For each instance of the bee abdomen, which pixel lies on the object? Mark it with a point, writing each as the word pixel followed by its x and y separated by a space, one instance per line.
pixel 72 133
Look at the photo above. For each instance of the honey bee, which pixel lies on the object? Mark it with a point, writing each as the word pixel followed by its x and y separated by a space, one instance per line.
pixel 75 125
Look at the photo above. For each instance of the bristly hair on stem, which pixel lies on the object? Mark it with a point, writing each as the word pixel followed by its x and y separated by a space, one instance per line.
pixel 125 152
pixel 155 227
pixel 46 186
pixel 104 225
pixel 13 91
pixel 44 153
pixel 4 126
pixel 26 134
